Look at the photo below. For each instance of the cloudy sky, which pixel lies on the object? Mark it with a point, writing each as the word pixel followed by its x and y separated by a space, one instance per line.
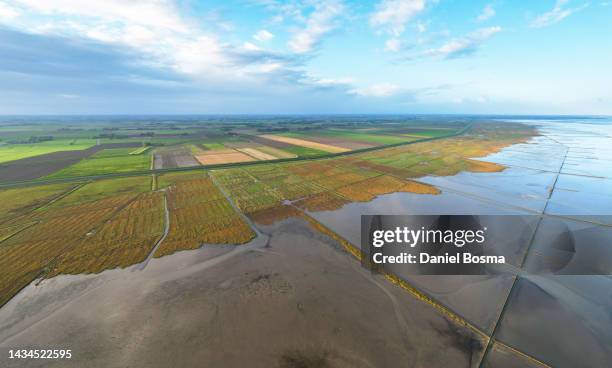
pixel 305 56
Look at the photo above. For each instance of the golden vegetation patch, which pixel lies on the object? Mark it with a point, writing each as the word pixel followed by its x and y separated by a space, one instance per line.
pixel 102 189
pixel 326 201
pixel 14 202
pixel 125 239
pixel 35 251
pixel 368 189
pixel 249 193
pixel 483 166
pixel 274 214
pixel 200 214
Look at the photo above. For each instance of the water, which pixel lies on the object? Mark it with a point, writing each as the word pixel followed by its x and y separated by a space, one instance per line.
pixel 566 172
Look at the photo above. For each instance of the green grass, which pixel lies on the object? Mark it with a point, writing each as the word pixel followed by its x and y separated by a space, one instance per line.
pixel 354 136
pixel 18 200
pixel 11 152
pixel 108 161
pixel 429 133
pixel 304 151
pixel 214 146
pixel 140 150
pixel 105 188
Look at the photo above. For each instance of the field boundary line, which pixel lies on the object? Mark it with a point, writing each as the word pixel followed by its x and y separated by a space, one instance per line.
pixel 230 165
pixel 163 237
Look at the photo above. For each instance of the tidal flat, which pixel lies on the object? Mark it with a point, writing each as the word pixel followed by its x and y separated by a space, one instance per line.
pixel 294 299
pixel 564 175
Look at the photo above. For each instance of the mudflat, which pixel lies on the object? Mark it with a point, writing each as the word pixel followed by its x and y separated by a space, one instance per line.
pixel 294 301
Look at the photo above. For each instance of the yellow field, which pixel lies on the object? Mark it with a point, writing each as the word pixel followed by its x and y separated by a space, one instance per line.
pixel 223 157
pixel 304 143
pixel 200 214
pixel 125 239
pixel 255 153
pixel 276 152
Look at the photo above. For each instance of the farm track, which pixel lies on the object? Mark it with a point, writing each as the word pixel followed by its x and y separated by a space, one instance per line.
pixel 229 165
pixel 235 207
pixel 159 241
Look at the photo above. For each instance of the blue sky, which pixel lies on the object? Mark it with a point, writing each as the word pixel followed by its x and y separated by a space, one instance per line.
pixel 305 56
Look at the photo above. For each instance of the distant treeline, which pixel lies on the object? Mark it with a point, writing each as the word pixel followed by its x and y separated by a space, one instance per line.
pixel 32 139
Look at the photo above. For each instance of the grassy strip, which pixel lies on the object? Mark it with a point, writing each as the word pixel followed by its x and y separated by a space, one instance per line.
pixel 140 150
pixel 12 152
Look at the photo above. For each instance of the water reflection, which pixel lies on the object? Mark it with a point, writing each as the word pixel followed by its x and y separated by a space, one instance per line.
pixel 566 172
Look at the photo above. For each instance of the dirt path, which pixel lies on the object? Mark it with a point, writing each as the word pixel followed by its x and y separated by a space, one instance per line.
pixel 142 265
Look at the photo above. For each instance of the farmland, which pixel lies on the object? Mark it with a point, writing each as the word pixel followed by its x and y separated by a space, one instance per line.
pixel 77 149
pixel 11 152
pixel 87 226
pixel 140 150
pixel 114 160
pixel 200 214
pixel 377 139
pixel 15 202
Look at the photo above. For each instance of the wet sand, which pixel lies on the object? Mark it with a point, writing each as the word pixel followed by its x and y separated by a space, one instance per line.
pixel 300 301
pixel 560 320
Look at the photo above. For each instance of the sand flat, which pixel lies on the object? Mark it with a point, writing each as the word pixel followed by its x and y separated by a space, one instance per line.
pixel 304 143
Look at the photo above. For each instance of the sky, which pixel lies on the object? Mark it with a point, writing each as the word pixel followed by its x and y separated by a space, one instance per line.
pixel 305 57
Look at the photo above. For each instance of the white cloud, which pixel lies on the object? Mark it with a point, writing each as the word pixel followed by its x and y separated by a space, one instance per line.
pixel 8 12
pixel 421 27
pixel 393 45
pixel 330 82
pixel 557 14
pixel 161 14
pixel 263 35
pixel 68 95
pixel 392 15
pixel 376 90
pixel 248 46
pixel 162 37
pixel 460 46
pixel 320 21
pixel 270 67
pixel 487 13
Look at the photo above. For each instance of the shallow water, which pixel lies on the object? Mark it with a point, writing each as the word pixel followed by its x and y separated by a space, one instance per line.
pixel 565 172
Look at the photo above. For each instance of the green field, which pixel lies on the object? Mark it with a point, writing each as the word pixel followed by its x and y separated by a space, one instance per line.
pixel 214 146
pixel 304 151
pixel 429 133
pixel 114 160
pixel 11 152
pixel 140 151
pixel 106 188
pixel 353 136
